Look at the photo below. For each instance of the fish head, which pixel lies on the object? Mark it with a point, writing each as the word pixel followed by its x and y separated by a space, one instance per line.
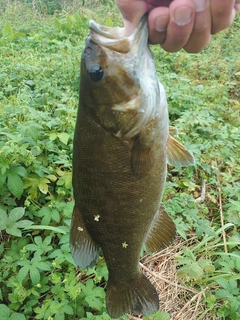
pixel 118 78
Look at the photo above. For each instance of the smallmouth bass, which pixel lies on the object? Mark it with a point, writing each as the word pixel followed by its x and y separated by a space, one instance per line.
pixel 121 149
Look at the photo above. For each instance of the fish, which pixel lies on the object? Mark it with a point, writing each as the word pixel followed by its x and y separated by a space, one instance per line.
pixel 122 144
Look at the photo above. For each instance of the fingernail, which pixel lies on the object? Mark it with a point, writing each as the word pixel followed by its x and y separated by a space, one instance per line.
pixel 182 15
pixel 161 23
pixel 200 5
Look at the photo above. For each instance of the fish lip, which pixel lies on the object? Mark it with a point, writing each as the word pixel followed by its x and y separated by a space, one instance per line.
pixel 113 37
pixel 107 32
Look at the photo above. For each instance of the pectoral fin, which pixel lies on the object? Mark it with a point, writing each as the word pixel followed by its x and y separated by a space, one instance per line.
pixel 162 233
pixel 177 154
pixel 142 159
pixel 83 249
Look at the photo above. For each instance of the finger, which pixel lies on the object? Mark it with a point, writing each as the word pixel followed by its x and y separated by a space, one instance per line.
pixel 201 33
pixel 158 20
pixel 132 12
pixel 223 14
pixel 237 6
pixel 182 14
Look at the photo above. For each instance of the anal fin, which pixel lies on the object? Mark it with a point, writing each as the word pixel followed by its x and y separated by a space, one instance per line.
pixel 162 233
pixel 177 154
pixel 83 249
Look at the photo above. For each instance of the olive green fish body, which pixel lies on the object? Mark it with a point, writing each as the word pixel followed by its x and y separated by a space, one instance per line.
pixel 121 148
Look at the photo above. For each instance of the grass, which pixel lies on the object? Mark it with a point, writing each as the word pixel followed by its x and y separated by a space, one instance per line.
pixel 198 276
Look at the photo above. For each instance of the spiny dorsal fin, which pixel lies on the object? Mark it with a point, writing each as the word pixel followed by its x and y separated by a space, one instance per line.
pixel 177 154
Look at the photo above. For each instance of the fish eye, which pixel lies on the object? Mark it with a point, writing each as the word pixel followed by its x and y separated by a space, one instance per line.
pixel 96 72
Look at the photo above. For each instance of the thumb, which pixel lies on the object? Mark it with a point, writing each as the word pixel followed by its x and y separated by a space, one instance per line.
pixel 132 12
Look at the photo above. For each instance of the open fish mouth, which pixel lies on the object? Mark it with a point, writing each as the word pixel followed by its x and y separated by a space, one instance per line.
pixel 114 38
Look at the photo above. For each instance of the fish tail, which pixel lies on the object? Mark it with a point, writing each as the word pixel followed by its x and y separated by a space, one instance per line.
pixel 138 296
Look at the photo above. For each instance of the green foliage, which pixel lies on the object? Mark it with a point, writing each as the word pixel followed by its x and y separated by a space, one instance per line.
pixel 158 316
pixel 230 292
pixel 11 224
pixel 6 314
pixel 39 81
pixel 8 34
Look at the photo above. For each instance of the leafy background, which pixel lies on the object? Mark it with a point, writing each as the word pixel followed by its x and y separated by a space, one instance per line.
pixel 40 48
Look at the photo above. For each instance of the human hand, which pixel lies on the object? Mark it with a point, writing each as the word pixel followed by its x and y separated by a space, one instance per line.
pixel 177 24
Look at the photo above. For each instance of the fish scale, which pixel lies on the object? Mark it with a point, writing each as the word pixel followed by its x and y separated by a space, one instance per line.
pixel 121 148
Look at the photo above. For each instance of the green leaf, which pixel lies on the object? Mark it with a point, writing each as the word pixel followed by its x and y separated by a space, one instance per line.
pixel 108 22
pixel 57 24
pixel 222 282
pixel 31 247
pixel 63 137
pixel 222 293
pixel 35 275
pixel 16 213
pixel 7 31
pixel 45 266
pixel 191 270
pixel 235 240
pixel 66 308
pixel 14 231
pixel 40 227
pixel 94 295
pixel 24 224
pixel 235 205
pixel 207 265
pixel 203 227
pixel 68 209
pixel 34 182
pixel 158 316
pixel 17 316
pixel 43 185
pixel 15 185
pixel 53 136
pixel 65 179
pixel 18 35
pixel 19 170
pixel 23 272
pixel 4 166
pixel 5 312
pixel 3 220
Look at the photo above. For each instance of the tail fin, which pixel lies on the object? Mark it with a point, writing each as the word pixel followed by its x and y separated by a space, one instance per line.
pixel 138 297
